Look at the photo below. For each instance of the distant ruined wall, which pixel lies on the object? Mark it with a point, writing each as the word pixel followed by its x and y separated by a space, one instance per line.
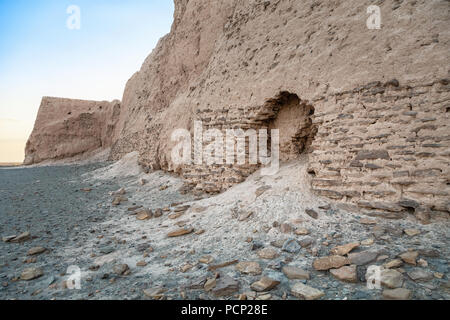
pixel 66 127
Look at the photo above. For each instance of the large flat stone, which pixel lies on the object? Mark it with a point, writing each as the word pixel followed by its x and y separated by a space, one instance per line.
pixel 303 291
pixel 330 262
pixel 295 273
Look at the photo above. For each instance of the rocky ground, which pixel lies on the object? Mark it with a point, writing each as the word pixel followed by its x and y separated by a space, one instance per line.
pixel 137 235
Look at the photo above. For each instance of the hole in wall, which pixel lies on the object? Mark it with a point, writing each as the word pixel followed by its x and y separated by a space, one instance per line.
pixel 293 120
pixel 410 210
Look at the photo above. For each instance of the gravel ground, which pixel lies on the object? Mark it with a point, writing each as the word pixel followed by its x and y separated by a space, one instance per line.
pixel 68 211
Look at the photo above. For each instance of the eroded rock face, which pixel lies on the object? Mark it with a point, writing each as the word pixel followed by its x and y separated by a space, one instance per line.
pixel 367 106
pixel 322 78
pixel 65 128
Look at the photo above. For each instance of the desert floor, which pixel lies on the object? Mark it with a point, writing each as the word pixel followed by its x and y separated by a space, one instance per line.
pixel 69 213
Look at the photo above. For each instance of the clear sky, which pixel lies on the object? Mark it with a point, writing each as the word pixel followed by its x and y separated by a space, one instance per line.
pixel 41 56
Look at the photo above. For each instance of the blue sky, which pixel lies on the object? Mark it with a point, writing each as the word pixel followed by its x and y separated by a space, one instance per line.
pixel 40 56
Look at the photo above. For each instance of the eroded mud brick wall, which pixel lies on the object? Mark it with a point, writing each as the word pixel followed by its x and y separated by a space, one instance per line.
pixel 385 147
pixel 68 127
pixel 380 146
pixel 285 112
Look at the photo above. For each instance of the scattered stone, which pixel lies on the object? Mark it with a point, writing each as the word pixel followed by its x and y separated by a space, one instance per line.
pixel 31 260
pixel 186 267
pixel 330 262
pixel 22 237
pixel 264 284
pixel 422 262
pixel 94 267
pixel 367 242
pixel 143 182
pixel 118 200
pixel 397 294
pixel 181 208
pixel 378 232
pixel 36 251
pixel 344 249
pixel 301 232
pixel 120 269
pixel 345 273
pixel 362 258
pixel 261 190
pixel 106 250
pixel 199 232
pixel 277 243
pixel 225 286
pixel 393 264
pixel 144 214
pixel 175 215
pixel 8 238
pixel 249 267
pixel 256 245
pixel 158 213
pixel 155 293
pixel 245 215
pixel 306 241
pixel 180 232
pixel 303 291
pixel 412 232
pixel 410 257
pixel 431 253
pixel 134 208
pixel 198 283
pixel 268 253
pixel 295 273
pixel 199 209
pixel 104 276
pixel 367 221
pixel 325 207
pixel 206 259
pixel 210 284
pixel 119 192
pixel 418 274
pixel 31 273
pixel 286 228
pixel 181 223
pixel 313 214
pixel 222 265
pixel 141 264
pixel 291 246
pixel 264 297
pixel 275 265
